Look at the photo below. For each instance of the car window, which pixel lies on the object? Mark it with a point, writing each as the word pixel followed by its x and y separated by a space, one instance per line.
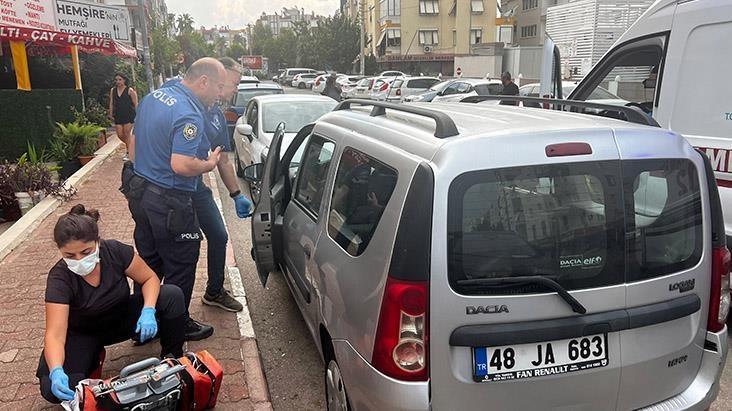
pixel 421 83
pixel 295 114
pixel 663 206
pixel 253 116
pixel 397 84
pixel 463 88
pixel 629 73
pixel 489 89
pixel 242 97
pixel 313 173
pixel 451 89
pixel 574 223
pixel 362 190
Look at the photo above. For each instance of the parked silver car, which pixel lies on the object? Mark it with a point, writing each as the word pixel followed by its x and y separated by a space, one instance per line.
pixel 410 86
pixel 463 256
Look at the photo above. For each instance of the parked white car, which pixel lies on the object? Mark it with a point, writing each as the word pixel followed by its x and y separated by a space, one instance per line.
pixel 382 86
pixel 361 90
pixel 253 132
pixel 405 87
pixel 304 80
pixel 459 89
pixel 319 83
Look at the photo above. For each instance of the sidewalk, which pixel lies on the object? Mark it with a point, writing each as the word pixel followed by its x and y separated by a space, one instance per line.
pixel 22 284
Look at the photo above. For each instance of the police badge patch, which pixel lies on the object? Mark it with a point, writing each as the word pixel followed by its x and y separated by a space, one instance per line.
pixel 190 131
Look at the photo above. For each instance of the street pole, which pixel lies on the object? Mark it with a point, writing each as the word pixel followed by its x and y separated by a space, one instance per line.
pixel 146 45
pixel 363 22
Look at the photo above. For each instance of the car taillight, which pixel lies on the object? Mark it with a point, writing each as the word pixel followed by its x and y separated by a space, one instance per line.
pixel 384 87
pixel 399 92
pixel 401 348
pixel 317 83
pixel 719 300
pixel 231 116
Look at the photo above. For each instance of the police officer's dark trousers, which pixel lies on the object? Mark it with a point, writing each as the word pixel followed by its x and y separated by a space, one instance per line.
pixel 83 347
pixel 167 236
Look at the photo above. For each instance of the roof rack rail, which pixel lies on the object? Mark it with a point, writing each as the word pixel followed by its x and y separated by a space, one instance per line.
pixel 444 126
pixel 632 114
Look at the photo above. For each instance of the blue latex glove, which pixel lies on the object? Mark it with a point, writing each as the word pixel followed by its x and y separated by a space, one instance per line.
pixel 243 206
pixel 60 384
pixel 147 325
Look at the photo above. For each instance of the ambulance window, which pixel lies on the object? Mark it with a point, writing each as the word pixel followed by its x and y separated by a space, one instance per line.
pixel 629 74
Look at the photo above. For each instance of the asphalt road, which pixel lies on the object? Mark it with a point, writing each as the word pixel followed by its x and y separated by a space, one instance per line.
pixel 291 362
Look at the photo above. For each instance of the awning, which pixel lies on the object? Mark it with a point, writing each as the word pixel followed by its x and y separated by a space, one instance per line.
pixel 381 38
pixel 86 44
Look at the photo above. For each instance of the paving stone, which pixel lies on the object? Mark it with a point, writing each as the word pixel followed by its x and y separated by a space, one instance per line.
pixel 8 356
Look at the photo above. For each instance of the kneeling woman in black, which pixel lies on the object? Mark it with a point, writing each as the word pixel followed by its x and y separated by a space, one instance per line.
pixel 88 304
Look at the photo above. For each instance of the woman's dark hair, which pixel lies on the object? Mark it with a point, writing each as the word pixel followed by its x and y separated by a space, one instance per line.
pixel 123 78
pixel 78 224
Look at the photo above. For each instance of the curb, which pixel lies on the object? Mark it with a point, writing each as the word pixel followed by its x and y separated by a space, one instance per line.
pixel 22 228
pixel 249 349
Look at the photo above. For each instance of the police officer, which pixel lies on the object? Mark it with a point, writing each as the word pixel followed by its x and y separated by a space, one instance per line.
pixel 207 211
pixel 209 216
pixel 172 152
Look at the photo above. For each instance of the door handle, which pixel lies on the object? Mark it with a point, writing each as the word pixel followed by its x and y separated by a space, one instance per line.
pixel 307 250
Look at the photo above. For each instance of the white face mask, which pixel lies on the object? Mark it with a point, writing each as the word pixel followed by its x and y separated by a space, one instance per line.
pixel 84 266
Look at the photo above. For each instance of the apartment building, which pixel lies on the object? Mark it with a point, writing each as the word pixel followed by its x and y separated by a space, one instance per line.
pixel 286 19
pixel 425 36
pixel 529 17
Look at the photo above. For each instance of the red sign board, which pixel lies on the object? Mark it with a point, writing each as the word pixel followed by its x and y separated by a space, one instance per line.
pixel 53 38
pixel 252 62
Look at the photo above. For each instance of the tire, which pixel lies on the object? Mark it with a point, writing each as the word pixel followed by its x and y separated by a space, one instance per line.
pixel 336 397
pixel 301 85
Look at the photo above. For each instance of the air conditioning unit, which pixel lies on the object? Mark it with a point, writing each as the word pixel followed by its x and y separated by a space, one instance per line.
pixel 428 49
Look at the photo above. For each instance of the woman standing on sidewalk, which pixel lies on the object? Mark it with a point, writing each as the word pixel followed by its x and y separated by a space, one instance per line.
pixel 89 306
pixel 122 105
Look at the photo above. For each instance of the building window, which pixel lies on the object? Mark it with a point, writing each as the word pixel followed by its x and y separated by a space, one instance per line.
pixel 528 31
pixel 530 4
pixel 476 36
pixel 390 8
pixel 476 6
pixel 429 6
pixel 454 38
pixel 428 37
pixel 393 37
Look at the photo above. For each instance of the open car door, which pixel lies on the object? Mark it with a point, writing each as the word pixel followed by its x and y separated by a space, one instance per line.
pixel 276 183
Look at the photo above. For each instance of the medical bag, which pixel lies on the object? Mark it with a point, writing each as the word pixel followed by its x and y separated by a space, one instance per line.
pixel 190 383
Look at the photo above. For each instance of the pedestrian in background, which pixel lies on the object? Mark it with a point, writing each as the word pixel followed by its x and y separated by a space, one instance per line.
pixel 173 152
pixel 89 306
pixel 207 211
pixel 509 89
pixel 122 106
pixel 330 89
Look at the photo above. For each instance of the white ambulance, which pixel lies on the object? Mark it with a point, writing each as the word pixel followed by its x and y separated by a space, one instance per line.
pixel 675 63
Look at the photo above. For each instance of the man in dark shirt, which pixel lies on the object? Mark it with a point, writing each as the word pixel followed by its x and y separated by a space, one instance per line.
pixel 509 89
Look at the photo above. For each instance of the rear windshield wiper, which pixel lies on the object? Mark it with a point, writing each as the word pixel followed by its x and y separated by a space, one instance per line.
pixel 531 279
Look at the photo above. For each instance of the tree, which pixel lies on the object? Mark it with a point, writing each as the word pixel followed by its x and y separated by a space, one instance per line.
pixel 164 49
pixel 193 47
pixel 185 23
pixel 235 51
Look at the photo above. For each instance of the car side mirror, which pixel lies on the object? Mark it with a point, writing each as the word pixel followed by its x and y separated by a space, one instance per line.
pixel 244 129
pixel 254 173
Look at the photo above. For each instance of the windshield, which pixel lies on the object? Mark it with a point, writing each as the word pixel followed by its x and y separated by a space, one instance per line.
pixel 489 89
pixel 598 93
pixel 295 114
pixel 242 97
pixel 440 86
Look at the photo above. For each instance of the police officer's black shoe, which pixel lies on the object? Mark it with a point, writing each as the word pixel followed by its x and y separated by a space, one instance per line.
pixel 197 331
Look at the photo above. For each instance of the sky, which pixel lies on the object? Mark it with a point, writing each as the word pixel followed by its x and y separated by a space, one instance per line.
pixel 237 13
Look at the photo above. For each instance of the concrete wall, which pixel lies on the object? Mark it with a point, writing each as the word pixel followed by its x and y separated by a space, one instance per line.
pixel 479 66
pixel 524 61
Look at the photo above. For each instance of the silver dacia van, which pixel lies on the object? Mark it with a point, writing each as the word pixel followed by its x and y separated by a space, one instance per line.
pixel 471 256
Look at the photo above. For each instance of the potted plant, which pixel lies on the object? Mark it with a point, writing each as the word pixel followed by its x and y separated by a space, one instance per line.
pixel 94 114
pixel 76 140
pixel 61 151
pixel 31 182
